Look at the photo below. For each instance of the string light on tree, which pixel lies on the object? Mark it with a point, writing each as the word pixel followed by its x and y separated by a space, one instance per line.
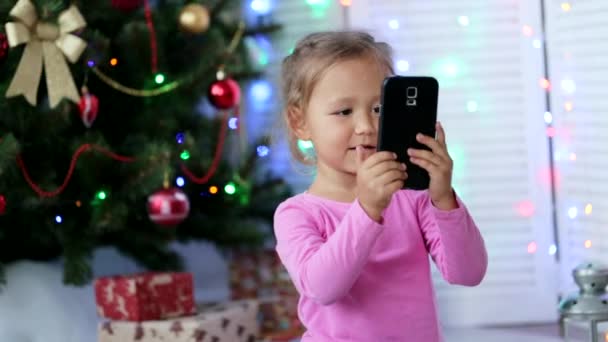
pixel 102 195
pixel 179 181
pixel 588 244
pixel 393 24
pixel 588 209
pixel 263 150
pixel 233 123
pixel 185 155
pixel 159 78
pixel 213 189
pixel 548 118
pixel 527 30
pixel 230 188
pixel 180 138
pixel 566 6
pixel 58 219
pixel 114 62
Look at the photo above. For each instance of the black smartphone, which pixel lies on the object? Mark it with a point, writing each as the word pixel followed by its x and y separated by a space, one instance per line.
pixel 408 107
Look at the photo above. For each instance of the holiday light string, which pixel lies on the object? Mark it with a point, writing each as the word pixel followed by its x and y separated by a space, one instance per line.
pixel 153 47
pixel 132 91
pixel 82 149
pixel 216 157
pixel 167 87
pixel 126 159
pixel 140 93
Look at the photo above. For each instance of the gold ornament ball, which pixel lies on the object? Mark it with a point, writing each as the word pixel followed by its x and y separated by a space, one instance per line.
pixel 194 18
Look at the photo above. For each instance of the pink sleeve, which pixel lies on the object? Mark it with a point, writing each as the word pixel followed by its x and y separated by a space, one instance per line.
pixel 323 269
pixel 453 240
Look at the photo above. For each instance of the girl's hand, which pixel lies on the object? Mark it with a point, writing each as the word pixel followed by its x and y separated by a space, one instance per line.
pixel 439 165
pixel 378 178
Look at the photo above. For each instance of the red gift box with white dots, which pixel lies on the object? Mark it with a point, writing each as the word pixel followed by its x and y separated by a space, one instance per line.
pixel 145 296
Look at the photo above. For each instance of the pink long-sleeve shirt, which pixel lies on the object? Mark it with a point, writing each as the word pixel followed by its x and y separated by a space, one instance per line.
pixel 363 281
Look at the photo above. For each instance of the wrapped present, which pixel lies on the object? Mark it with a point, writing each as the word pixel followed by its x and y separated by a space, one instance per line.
pixel 228 322
pixel 145 296
pixel 259 274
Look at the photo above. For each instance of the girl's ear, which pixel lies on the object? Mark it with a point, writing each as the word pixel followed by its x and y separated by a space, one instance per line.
pixel 297 123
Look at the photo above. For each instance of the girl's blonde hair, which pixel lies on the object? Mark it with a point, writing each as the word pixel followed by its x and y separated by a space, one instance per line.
pixel 312 56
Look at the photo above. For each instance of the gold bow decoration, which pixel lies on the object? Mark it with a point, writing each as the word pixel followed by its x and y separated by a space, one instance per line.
pixel 46 43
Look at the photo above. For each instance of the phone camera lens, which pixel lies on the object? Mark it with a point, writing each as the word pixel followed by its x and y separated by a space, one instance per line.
pixel 412 92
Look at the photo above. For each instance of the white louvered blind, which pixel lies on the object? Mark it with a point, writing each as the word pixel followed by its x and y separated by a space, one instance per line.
pixel 578 50
pixel 484 56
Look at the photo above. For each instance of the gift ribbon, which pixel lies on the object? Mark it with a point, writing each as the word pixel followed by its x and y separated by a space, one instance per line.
pixel 47 44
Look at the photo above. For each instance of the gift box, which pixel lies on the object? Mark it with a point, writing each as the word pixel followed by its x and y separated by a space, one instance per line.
pixel 145 296
pixel 259 274
pixel 234 321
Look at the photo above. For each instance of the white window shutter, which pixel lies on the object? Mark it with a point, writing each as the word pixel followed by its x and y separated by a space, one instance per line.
pixel 488 65
pixel 578 50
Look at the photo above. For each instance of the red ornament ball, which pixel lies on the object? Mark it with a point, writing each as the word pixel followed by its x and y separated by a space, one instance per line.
pixel 127 5
pixel 224 94
pixel 88 107
pixel 168 207
pixel 2 204
pixel 3 47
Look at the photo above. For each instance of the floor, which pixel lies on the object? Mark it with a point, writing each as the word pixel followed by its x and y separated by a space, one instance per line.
pixel 532 333
pixel 536 333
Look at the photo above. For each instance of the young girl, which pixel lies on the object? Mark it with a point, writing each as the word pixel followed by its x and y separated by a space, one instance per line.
pixel 355 244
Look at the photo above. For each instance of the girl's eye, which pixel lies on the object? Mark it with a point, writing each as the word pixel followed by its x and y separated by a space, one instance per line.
pixel 344 112
pixel 376 109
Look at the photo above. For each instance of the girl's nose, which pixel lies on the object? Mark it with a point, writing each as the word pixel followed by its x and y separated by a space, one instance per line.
pixel 364 124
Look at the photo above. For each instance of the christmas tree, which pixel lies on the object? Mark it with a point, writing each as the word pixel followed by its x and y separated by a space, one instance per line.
pixel 105 138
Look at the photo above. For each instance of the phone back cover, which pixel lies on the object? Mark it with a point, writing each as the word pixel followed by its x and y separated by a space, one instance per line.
pixel 403 116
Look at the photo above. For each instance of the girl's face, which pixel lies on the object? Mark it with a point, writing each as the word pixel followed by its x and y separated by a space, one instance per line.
pixel 342 113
